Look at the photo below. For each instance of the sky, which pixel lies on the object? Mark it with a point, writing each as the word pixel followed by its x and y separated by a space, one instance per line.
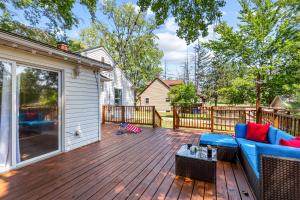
pixel 175 49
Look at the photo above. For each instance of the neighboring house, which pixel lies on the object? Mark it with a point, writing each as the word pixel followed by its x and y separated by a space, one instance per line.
pixel 285 102
pixel 115 88
pixel 156 94
pixel 49 100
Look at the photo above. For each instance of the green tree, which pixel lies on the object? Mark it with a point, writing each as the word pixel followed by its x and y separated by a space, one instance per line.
pixel 8 24
pixel 183 95
pixel 192 17
pixel 266 42
pixel 128 36
pixel 202 64
pixel 56 14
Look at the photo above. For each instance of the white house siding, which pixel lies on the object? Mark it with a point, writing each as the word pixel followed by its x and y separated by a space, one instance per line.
pixel 80 95
pixel 118 80
pixel 98 54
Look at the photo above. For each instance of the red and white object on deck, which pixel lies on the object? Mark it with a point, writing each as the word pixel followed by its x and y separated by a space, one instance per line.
pixel 131 128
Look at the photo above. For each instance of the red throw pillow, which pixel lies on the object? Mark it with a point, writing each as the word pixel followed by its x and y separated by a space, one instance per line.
pixel 31 115
pixel 291 143
pixel 257 132
pixel 297 138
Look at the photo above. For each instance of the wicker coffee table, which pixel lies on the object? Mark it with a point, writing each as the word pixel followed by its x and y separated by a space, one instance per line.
pixel 196 165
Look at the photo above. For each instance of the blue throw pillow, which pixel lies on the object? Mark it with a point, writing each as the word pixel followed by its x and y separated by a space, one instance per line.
pixel 240 130
pixel 272 133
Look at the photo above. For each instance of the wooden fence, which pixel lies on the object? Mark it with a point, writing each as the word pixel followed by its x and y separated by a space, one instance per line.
pixel 224 118
pixel 146 115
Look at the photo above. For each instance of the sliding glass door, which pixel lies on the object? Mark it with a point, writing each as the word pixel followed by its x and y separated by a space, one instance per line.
pixel 37 101
pixel 29 114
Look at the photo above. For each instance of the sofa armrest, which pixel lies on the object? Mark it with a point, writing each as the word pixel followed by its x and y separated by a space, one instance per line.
pixel 276 151
pixel 279 177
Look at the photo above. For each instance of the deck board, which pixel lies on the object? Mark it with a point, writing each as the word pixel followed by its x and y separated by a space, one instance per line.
pixel 122 167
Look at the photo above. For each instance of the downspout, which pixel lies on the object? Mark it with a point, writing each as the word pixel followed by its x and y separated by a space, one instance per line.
pixel 96 74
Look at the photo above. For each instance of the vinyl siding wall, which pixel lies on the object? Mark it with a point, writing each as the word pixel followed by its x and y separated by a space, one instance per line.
pixel 157 94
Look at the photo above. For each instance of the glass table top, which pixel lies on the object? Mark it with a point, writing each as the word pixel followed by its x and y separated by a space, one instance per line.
pixel 201 153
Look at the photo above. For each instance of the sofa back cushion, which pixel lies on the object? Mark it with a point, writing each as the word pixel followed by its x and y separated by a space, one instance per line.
pixel 272 134
pixel 257 132
pixel 282 135
pixel 240 130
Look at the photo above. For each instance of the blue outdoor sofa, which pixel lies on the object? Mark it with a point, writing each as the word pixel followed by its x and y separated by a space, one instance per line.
pixel 272 170
pixel 37 124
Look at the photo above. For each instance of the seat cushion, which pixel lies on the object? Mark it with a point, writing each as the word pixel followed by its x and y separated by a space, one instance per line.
pixel 282 135
pixel 241 141
pixel 217 140
pixel 249 148
pixel 36 123
pixel 272 133
pixel 252 160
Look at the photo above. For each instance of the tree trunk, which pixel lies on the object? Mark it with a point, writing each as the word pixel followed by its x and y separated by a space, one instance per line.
pixel 258 91
pixel 216 101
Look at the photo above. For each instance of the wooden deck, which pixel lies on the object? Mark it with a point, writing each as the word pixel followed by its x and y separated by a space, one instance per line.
pixel 122 167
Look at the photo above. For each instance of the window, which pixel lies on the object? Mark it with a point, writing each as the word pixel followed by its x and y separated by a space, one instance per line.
pixel 147 100
pixel 167 99
pixel 118 96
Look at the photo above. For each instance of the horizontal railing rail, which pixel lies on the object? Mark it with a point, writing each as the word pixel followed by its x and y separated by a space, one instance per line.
pixel 145 115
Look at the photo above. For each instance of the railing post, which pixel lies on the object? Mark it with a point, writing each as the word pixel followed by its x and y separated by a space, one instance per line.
pixel 212 119
pixel 275 119
pixel 259 115
pixel 122 114
pixel 153 116
pixel 244 117
pixel 174 117
pixel 103 114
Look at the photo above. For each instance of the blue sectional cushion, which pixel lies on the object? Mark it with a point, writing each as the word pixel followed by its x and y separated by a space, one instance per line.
pixel 272 134
pixel 252 160
pixel 240 130
pixel 241 141
pixel 276 150
pixel 282 135
pixel 36 123
pixel 249 148
pixel 217 140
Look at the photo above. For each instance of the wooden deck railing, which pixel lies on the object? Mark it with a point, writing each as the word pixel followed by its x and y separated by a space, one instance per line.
pixel 146 115
pixel 212 118
pixel 282 119
pixel 223 118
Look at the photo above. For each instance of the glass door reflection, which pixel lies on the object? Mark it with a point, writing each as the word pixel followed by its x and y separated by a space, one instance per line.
pixel 38 112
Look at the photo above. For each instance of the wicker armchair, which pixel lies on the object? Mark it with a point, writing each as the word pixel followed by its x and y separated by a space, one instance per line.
pixel 280 178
